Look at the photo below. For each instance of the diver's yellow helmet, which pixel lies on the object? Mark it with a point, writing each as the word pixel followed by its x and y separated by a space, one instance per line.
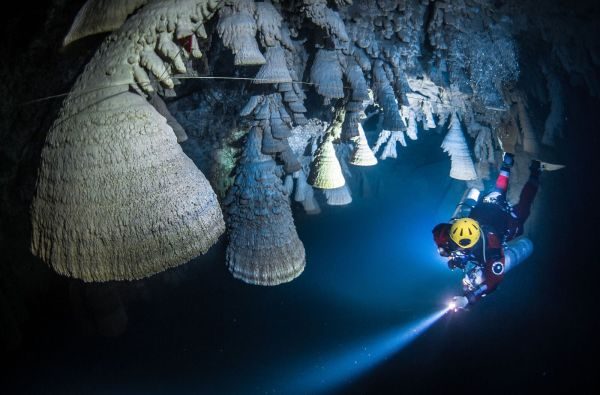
pixel 465 232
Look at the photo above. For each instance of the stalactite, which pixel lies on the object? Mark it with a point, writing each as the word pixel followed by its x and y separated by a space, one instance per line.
pixel 326 74
pixel 362 155
pixel 366 56
pixel 456 146
pixel 237 29
pixel 275 69
pixel 264 248
pixel 326 172
pixel 99 16
pixel 338 196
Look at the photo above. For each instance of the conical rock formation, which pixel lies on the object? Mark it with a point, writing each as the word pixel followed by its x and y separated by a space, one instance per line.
pixel 275 69
pixel 100 16
pixel 237 28
pixel 116 198
pixel 326 171
pixel 264 248
pixel 362 155
pixel 338 196
pixel 326 74
pixel 455 145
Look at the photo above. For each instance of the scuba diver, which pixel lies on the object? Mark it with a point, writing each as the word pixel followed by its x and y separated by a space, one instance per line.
pixel 475 240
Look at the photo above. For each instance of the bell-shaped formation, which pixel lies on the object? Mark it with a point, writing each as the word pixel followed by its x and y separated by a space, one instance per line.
pixel 328 20
pixel 116 197
pixel 264 248
pixel 100 16
pixel 356 79
pixel 362 155
pixel 351 121
pixel 392 120
pixel 270 115
pixel 338 196
pixel 268 21
pixel 455 145
pixel 275 69
pixel 237 28
pixel 326 74
pixel 326 172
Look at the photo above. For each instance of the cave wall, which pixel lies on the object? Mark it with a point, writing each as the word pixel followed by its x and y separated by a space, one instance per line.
pixel 483 60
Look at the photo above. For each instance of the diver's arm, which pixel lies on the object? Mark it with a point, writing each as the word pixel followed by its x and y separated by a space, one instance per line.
pixel 457 262
pixel 476 294
pixel 490 282
pixel 461 259
pixel 468 298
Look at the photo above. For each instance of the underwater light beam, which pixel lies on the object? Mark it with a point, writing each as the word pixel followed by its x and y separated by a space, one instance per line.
pixel 343 368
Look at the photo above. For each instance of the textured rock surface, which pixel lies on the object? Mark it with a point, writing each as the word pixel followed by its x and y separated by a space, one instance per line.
pixel 100 16
pixel 456 146
pixel 264 247
pixel 362 155
pixel 116 198
pixel 410 64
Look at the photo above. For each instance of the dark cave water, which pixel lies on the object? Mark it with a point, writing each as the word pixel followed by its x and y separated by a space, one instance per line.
pixel 371 269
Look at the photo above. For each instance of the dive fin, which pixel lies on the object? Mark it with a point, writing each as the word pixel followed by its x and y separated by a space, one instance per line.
pixel 550 166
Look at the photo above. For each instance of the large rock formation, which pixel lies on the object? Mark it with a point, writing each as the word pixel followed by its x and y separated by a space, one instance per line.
pixel 116 197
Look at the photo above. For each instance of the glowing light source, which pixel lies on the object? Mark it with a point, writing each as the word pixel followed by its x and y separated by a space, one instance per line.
pixel 457 302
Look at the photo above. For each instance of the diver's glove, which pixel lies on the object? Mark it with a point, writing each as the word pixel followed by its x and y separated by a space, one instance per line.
pixel 458 302
pixel 457 262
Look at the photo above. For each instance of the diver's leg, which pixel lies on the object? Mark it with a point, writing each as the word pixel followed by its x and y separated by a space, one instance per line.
pixel 502 180
pixel 523 208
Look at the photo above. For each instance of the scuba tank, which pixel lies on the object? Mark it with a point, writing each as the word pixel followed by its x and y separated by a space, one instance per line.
pixel 466 204
pixel 517 251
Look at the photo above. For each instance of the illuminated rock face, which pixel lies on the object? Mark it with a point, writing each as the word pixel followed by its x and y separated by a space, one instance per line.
pixel 264 247
pixel 456 146
pixel 116 197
